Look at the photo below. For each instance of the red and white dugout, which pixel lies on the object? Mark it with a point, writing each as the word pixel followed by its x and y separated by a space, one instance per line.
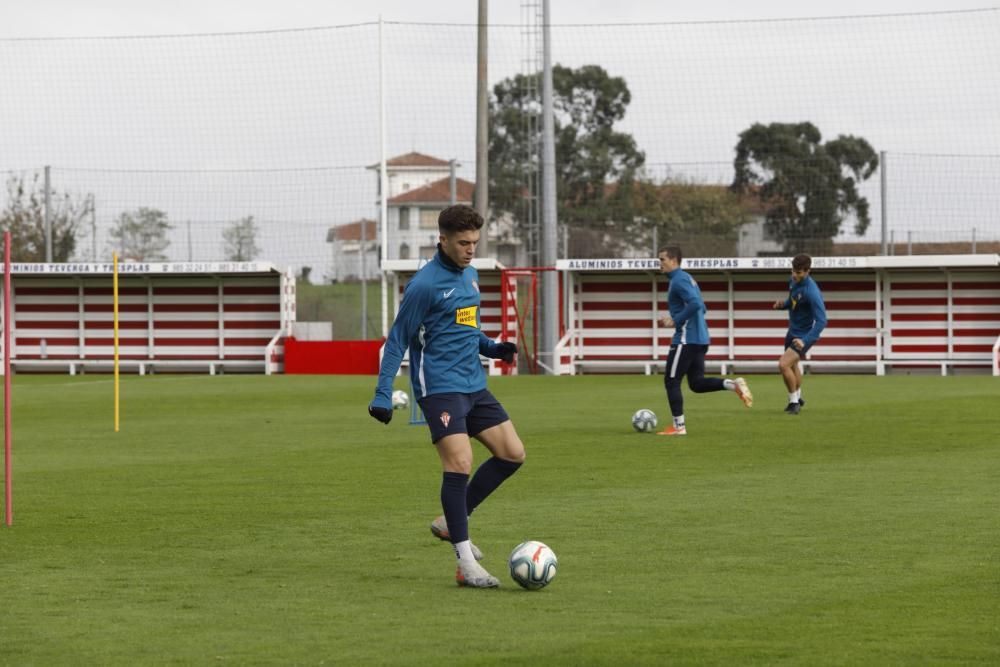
pixel 940 312
pixel 214 316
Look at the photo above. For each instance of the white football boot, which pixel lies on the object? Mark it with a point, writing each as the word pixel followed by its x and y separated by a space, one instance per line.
pixel 473 575
pixel 743 391
pixel 440 529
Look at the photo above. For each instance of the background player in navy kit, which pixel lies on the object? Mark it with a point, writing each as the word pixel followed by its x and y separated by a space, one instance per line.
pixel 438 321
pixel 806 321
pixel 690 342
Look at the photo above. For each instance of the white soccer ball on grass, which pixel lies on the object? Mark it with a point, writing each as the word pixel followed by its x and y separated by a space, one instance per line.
pixel 400 399
pixel 644 421
pixel 532 565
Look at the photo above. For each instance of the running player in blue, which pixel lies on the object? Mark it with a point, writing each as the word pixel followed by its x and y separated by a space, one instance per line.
pixel 806 321
pixel 438 321
pixel 690 342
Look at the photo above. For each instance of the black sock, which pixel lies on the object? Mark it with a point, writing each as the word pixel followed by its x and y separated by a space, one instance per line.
pixel 453 502
pixel 488 477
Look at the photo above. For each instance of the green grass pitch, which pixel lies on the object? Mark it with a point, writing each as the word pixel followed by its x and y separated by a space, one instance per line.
pixel 269 520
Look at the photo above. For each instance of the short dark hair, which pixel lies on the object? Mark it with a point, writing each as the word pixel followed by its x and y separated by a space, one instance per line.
pixel 459 218
pixel 802 262
pixel 673 252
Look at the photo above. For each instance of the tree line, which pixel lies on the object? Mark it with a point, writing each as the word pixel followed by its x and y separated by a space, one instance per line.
pixel 139 235
pixel 802 187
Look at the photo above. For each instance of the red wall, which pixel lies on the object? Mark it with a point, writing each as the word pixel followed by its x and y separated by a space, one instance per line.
pixel 338 357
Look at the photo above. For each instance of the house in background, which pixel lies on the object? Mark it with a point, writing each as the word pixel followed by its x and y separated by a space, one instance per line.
pixel 346 244
pixel 755 241
pixel 420 186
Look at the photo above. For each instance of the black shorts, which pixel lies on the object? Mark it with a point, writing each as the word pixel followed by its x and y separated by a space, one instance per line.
pixel 447 414
pixel 788 345
pixel 685 358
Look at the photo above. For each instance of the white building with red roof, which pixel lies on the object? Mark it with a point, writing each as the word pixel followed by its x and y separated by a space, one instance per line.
pixel 420 186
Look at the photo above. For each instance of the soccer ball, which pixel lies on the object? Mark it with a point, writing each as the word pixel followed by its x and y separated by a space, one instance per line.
pixel 533 565
pixel 400 399
pixel 644 421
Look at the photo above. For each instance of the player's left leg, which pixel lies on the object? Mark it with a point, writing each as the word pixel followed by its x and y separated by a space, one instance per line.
pixel 446 419
pixel 508 455
pixel 488 422
pixel 696 372
pixel 483 418
pixel 490 425
pixel 700 384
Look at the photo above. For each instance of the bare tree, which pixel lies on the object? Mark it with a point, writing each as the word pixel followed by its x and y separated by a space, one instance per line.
pixel 24 218
pixel 241 240
pixel 141 235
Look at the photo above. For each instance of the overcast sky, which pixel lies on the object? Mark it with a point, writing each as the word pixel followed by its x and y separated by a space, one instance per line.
pixel 77 18
pixel 282 125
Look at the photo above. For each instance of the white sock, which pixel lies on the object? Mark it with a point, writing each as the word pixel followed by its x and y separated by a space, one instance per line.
pixel 463 551
pixel 679 422
pixel 729 384
pixel 793 397
pixel 798 395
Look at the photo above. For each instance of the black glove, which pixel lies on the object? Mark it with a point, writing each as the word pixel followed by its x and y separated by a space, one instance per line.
pixel 384 415
pixel 506 351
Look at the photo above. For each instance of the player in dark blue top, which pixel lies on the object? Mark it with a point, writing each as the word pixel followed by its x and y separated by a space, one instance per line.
pixel 690 342
pixel 438 321
pixel 806 321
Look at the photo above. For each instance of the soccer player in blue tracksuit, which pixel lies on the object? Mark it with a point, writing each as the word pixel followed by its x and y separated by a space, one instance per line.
pixel 439 320
pixel 806 321
pixel 690 342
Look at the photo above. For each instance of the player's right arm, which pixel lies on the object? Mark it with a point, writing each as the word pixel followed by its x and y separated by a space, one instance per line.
pixel 412 311
pixel 819 315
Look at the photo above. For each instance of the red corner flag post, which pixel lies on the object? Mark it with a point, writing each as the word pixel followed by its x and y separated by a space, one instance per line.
pixel 7 493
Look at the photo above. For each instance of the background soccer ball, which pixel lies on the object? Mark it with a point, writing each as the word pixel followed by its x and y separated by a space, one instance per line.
pixel 644 421
pixel 400 399
pixel 533 565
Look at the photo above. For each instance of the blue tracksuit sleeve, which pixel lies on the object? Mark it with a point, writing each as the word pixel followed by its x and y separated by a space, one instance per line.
pixel 692 304
pixel 487 346
pixel 412 310
pixel 818 312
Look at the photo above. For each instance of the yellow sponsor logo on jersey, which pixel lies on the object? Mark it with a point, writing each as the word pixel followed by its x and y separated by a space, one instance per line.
pixel 467 316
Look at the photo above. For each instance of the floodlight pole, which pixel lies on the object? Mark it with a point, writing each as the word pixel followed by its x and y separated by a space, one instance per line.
pixel 364 281
pixel 550 285
pixel 93 229
pixel 883 178
pixel 48 214
pixel 383 183
pixel 453 184
pixel 482 195
pixel 7 466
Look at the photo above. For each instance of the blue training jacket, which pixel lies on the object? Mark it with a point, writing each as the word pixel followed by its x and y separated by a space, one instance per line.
pixel 806 310
pixel 687 309
pixel 438 320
